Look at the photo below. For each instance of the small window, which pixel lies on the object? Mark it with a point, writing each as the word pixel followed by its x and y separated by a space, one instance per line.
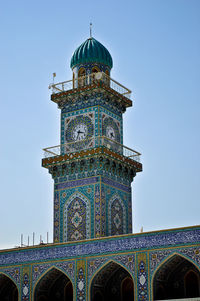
pixel 81 77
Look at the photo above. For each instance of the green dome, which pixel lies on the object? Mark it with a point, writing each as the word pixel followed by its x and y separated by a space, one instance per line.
pixel 91 51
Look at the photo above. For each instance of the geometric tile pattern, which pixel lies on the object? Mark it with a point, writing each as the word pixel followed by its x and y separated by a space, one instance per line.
pixel 142 282
pixel 73 221
pixel 25 287
pixel 97 211
pixel 156 257
pixel 109 122
pixel 76 218
pixel 70 132
pixel 116 216
pixel 56 216
pixel 70 120
pixel 80 282
pixel 128 261
pixel 67 267
pixel 13 273
pixel 109 245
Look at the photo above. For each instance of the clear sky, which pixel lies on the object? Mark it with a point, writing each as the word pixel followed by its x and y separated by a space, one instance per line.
pixel 155 45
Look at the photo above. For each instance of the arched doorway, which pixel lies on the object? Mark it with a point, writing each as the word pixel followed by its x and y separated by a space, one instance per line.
pixel 8 289
pixel 112 282
pixel 54 286
pixel 177 278
pixel 81 77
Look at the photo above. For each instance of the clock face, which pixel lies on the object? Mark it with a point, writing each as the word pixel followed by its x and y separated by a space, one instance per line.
pixel 79 132
pixel 110 129
pixel 110 132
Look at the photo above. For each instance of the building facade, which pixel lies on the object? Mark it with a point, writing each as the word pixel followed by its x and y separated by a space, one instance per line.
pixel 94 255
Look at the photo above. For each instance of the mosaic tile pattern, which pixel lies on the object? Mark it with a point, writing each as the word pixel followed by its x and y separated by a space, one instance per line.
pixel 142 282
pixel 156 257
pixel 128 261
pixel 76 217
pixel 68 267
pixel 81 284
pixel 108 122
pixel 103 211
pixel 13 273
pixel 116 216
pixel 97 211
pixel 56 216
pixel 71 125
pixel 75 223
pixel 92 99
pixel 69 122
pixel 25 288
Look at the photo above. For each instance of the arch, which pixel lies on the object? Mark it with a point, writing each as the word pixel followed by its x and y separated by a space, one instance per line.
pixel 81 77
pixel 168 280
pixel 8 288
pixel 53 283
pixel 95 69
pixel 192 284
pixel 116 216
pixel 81 72
pixel 127 290
pixel 108 282
pixel 76 218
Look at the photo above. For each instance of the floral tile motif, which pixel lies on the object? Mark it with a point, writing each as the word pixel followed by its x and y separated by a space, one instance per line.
pixel 76 217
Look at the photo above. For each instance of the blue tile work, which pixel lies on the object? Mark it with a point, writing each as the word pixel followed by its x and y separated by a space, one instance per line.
pixel 95 118
pixel 88 117
pixel 111 245
pixel 56 216
pixel 75 224
pixel 114 122
pixel 25 287
pixel 81 283
pixel 95 264
pixel 39 270
pixel 160 256
pixel 140 254
pixel 97 208
pixel 116 216
pixel 89 66
pixel 13 273
pixel 142 281
pixel 117 221
pixel 92 99
pixel 76 221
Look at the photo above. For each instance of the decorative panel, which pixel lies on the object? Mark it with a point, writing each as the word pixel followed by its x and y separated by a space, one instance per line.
pixel 76 218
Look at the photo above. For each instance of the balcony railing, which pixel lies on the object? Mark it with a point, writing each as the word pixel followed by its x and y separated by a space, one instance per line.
pixel 91 143
pixel 99 77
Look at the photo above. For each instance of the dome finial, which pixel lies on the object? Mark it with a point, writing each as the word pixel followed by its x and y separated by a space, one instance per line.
pixel 90 30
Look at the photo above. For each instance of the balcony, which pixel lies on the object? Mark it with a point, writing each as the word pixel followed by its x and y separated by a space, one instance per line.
pixel 98 78
pixel 93 145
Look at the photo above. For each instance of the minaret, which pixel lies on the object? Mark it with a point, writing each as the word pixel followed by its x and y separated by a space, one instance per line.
pixel 91 168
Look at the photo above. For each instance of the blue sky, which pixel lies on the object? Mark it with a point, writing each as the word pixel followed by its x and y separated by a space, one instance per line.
pixel 155 45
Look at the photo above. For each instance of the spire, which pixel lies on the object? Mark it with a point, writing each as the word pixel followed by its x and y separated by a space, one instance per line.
pixel 90 30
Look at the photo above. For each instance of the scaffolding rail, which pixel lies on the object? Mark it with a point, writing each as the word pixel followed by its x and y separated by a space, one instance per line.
pixel 93 78
pixel 91 143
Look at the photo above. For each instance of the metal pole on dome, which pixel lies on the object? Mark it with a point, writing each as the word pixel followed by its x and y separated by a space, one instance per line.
pixel 90 30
